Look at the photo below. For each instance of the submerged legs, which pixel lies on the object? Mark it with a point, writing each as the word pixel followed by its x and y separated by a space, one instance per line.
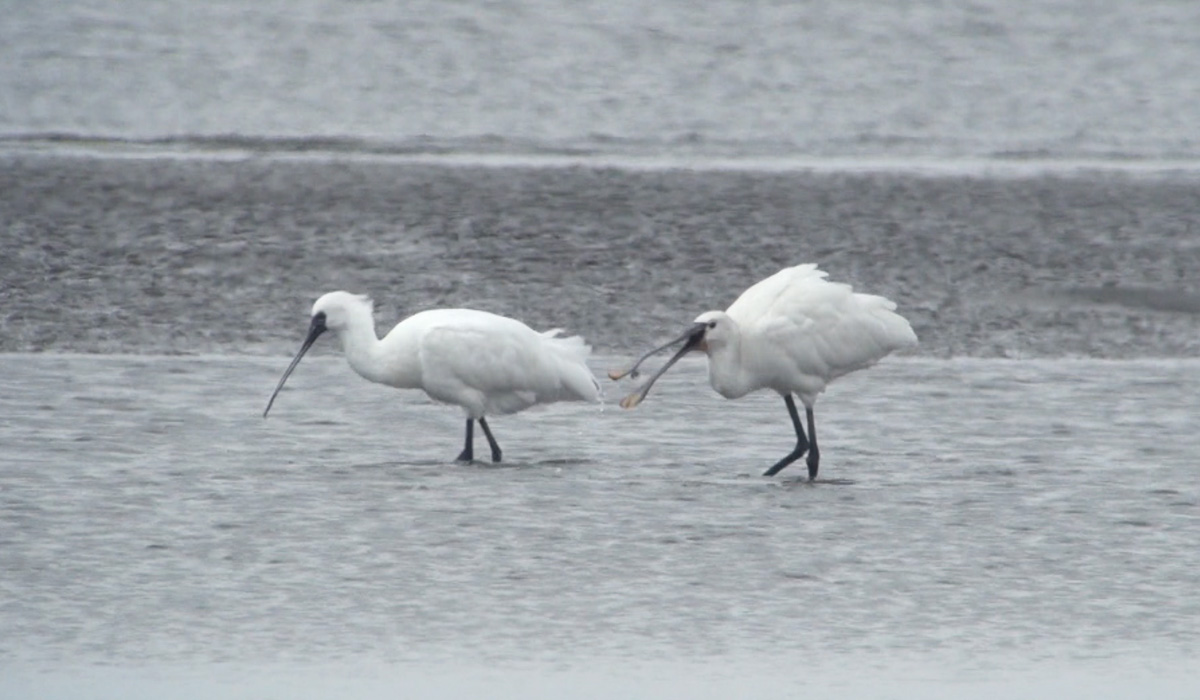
pixel 487 432
pixel 814 455
pixel 802 443
pixel 468 452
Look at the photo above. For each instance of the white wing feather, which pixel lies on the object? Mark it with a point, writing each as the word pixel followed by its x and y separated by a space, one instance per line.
pixel 495 365
pixel 797 321
pixel 762 297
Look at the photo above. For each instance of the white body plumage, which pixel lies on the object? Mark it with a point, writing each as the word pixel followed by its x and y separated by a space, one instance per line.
pixel 485 363
pixel 793 333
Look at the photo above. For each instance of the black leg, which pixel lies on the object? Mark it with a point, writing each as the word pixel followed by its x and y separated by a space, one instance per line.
pixel 487 432
pixel 468 452
pixel 814 455
pixel 801 440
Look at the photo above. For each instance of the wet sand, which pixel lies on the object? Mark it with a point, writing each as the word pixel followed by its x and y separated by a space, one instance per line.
pixel 120 255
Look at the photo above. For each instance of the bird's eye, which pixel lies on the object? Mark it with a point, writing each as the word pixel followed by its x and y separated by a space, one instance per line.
pixel 712 324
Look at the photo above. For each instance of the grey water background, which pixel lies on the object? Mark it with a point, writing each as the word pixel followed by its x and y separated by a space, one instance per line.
pixel 1009 509
pixel 990 78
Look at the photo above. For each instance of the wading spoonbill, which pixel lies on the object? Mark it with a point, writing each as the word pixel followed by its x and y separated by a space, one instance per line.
pixel 487 364
pixel 793 333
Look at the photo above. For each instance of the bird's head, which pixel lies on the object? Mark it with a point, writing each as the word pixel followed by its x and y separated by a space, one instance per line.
pixel 716 329
pixel 711 329
pixel 338 310
pixel 334 311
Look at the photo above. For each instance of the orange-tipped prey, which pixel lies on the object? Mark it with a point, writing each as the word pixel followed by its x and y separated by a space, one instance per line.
pixel 691 341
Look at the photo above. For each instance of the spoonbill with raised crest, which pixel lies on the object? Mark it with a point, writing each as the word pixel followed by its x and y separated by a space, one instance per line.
pixel 485 363
pixel 794 332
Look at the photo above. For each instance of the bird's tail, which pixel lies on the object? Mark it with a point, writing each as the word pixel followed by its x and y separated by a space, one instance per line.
pixel 570 354
pixel 890 330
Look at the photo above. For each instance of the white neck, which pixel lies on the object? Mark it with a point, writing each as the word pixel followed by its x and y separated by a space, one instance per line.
pixel 726 372
pixel 361 346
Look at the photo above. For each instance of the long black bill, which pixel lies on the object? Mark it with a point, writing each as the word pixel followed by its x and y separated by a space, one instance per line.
pixel 315 329
pixel 694 336
pixel 632 372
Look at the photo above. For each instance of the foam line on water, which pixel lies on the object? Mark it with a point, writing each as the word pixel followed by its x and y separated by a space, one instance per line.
pixel 951 166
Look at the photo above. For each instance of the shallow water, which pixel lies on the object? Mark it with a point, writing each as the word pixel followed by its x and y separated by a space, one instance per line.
pixel 978 524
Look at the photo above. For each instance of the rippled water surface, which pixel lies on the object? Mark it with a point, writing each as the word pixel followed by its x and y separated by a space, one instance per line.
pixel 981 524
pixel 1068 79
pixel 180 178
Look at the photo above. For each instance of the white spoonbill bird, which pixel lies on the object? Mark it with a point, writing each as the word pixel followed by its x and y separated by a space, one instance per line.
pixel 793 333
pixel 487 364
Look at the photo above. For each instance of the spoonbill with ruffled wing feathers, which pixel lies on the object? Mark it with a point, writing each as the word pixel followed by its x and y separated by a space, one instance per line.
pixel 793 333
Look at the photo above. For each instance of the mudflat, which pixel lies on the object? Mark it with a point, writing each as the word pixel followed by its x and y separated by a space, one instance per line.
pixel 178 255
